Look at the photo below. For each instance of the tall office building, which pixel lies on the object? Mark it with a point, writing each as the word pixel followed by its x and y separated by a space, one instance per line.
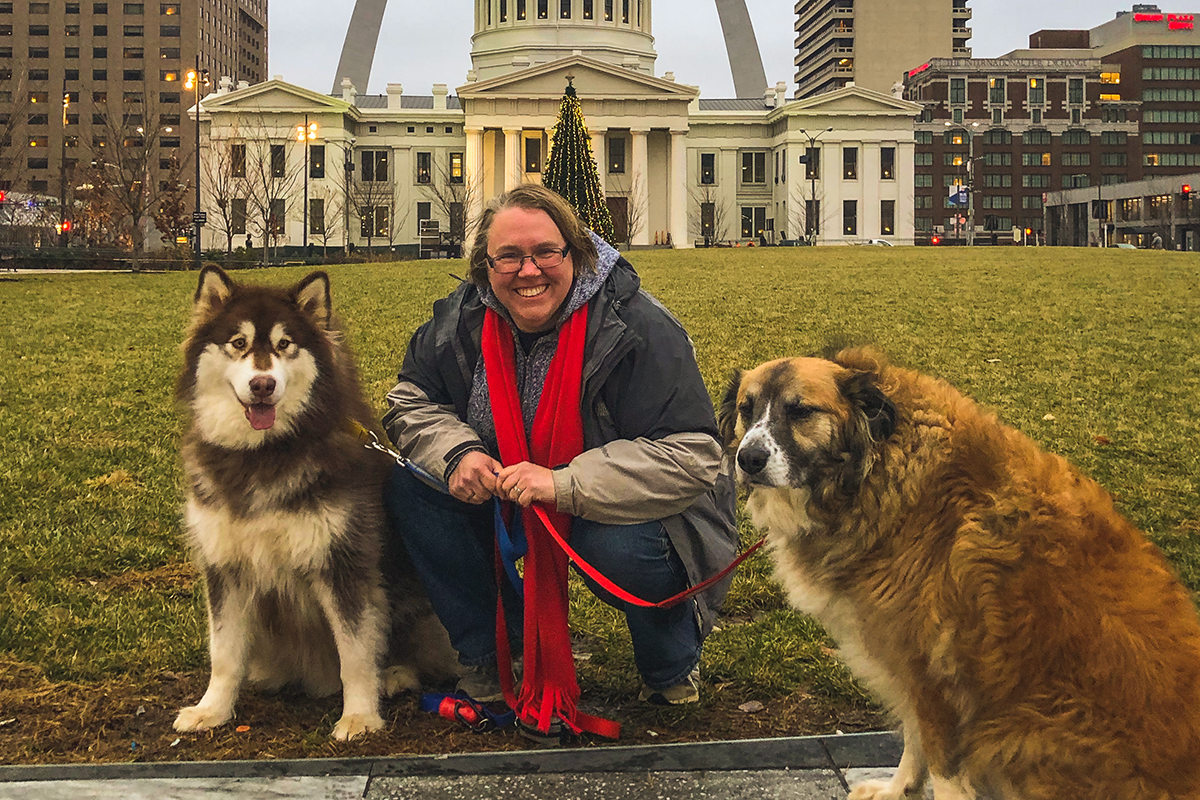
pixel 110 61
pixel 872 43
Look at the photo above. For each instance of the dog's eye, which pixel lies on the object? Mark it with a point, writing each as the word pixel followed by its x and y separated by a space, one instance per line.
pixel 284 344
pixel 239 343
pixel 798 411
pixel 746 408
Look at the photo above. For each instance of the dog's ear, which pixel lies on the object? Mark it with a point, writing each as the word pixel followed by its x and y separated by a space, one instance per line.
pixel 727 414
pixel 313 296
pixel 212 291
pixel 861 390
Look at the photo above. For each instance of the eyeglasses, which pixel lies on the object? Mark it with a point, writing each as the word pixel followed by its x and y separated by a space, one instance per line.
pixel 547 258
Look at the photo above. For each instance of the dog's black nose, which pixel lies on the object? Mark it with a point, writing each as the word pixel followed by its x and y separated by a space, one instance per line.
pixel 262 385
pixel 752 458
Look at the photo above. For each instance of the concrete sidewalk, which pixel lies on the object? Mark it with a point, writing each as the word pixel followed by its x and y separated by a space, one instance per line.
pixel 801 768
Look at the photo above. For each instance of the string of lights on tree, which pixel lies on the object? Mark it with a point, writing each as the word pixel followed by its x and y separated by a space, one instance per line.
pixel 571 169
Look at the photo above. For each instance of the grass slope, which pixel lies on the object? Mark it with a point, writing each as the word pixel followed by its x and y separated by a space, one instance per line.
pixel 1092 353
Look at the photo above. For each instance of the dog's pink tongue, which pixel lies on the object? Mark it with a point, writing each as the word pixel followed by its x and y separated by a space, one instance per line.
pixel 261 416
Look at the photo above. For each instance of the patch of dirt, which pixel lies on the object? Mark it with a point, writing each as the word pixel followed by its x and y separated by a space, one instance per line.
pixel 129 720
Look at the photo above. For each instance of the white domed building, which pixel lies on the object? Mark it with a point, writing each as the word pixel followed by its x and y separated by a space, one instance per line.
pixel 408 171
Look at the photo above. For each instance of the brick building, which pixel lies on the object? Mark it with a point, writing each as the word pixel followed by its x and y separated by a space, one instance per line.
pixel 117 65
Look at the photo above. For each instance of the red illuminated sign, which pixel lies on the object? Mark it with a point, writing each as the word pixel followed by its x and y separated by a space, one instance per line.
pixel 1175 22
pixel 918 70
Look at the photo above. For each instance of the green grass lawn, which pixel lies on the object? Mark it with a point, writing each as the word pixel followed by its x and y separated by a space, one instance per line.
pixel 1095 354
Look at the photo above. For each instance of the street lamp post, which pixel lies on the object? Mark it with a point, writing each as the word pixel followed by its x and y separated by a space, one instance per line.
pixel 812 225
pixel 970 134
pixel 306 133
pixel 194 79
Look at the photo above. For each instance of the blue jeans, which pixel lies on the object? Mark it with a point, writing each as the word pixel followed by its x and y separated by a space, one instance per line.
pixel 452 545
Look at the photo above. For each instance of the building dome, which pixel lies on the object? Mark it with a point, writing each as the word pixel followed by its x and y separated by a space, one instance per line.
pixel 515 34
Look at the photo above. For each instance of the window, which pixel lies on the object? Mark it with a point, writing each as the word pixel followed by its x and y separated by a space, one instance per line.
pixel 168 75
pixel 375 165
pixel 424 214
pixel 997 159
pixel 39 8
pixel 316 215
pixel 424 168
pixel 39 74
pixel 168 9
pixel 543 9
pixel 1075 91
pixel 1112 159
pixel 99 52
pixel 1035 181
pixel 132 75
pixel 1031 201
pixel 754 167
pixel 616 155
pixel 1076 137
pixel 70 74
pixel 99 30
pixel 237 160
pixel 278 161
pixel 168 98
pixel 1076 116
pixel 754 221
pixel 503 13
pixel 99 8
pixel 812 163
pixel 1035 159
pixel 564 10
pixel 923 159
pixel 958 91
pixel 373 221
pixel 708 219
pixel 1076 181
pixel 587 9
pixel 135 8
pixel 1035 116
pixel 1036 137
pixel 923 137
pixel 1077 159
pixel 237 214
pixel 39 141
pixel 957 116
pixel 134 31
pixel 134 52
pixel 533 155
pixel 277 215
pixel 168 52
pixel 923 181
pixel 71 52
pixel 997 116
pixel 850 163
pixel 38 163
pixel 997 137
pixel 997 180
pixel 169 142
pixel 99 74
pixel 708 169
pixel 521 9
pixel 39 30
pixel 849 217
pixel 996 91
pixel 997 201
pixel 456 168
pixel 1037 91
pixel 608 10
pixel 316 161
pixel 887 217
pixel 39 52
pixel 1113 138
pixel 887 163
pixel 71 8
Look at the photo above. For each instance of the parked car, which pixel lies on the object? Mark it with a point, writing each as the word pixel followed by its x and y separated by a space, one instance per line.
pixel 1123 246
pixel 879 243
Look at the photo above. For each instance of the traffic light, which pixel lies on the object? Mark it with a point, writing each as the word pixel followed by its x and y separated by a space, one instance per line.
pixel 1 195
pixel 936 240
pixel 66 226
pixel 1186 189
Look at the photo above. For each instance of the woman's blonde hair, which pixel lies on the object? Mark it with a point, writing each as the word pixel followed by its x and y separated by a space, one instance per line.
pixel 534 197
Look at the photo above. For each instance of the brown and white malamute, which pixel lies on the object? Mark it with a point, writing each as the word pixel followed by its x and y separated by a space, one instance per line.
pixel 284 513
pixel 1034 644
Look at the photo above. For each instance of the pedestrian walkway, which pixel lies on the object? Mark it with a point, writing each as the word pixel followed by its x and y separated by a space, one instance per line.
pixel 799 768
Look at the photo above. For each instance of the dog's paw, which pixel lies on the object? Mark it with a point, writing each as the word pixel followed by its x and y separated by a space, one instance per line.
pixel 353 725
pixel 200 718
pixel 400 678
pixel 876 790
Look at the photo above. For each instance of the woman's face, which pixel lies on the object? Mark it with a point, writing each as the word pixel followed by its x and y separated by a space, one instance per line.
pixel 532 296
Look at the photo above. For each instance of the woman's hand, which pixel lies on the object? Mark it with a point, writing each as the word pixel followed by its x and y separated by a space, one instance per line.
pixel 474 479
pixel 526 483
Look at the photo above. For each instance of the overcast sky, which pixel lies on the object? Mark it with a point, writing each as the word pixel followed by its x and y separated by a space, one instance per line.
pixel 424 42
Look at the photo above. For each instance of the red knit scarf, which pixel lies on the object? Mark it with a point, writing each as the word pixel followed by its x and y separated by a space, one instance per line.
pixel 549 688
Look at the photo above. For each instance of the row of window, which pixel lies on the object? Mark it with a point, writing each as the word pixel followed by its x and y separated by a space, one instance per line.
pixel 754 165
pixel 1170 95
pixel 73 31
pixel 133 9
pixel 1170 73
pixel 133 53
pixel 375 220
pixel 754 222
pixel 1036 96
pixel 1170 51
pixel 1171 116
pixel 373 164
pixel 522 9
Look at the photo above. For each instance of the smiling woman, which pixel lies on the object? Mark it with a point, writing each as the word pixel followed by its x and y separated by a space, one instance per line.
pixel 552 379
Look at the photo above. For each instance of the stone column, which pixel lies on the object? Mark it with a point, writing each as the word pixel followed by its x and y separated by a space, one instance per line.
pixel 513 168
pixel 677 191
pixel 474 173
pixel 599 155
pixel 640 182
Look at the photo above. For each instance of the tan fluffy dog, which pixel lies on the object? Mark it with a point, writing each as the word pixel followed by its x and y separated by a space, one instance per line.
pixel 1031 641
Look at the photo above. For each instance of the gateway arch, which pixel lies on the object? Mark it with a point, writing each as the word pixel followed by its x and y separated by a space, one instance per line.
pixel 741 46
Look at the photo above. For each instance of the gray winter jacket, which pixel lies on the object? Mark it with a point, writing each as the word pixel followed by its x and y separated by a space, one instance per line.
pixel 651 443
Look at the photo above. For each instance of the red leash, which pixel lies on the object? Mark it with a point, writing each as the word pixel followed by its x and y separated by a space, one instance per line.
pixel 617 591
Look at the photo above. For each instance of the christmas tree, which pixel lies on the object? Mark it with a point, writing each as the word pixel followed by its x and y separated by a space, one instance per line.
pixel 571 170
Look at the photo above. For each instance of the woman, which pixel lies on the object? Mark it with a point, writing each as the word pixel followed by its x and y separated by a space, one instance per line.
pixel 551 378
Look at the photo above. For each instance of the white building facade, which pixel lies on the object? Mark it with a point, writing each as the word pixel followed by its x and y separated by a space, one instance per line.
pixel 396 170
